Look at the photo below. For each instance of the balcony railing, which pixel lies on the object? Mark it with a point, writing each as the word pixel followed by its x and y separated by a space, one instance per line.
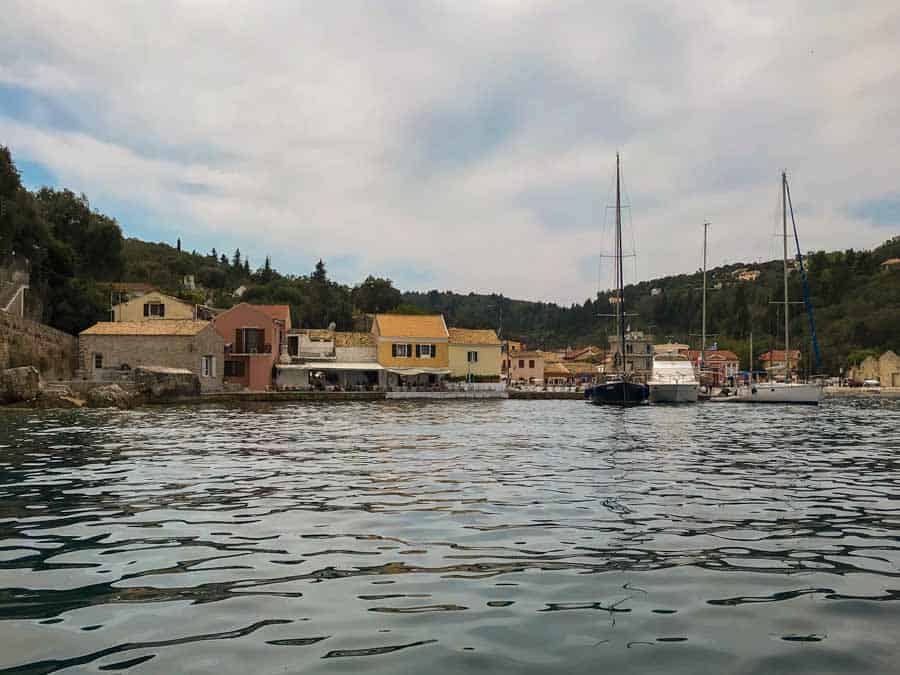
pixel 242 350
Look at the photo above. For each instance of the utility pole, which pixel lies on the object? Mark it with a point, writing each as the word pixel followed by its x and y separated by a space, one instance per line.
pixel 787 322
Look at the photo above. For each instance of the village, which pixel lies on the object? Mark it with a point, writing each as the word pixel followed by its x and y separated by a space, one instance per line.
pixel 256 348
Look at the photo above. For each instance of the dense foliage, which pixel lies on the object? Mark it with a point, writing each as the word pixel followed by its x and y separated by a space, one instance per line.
pixel 74 250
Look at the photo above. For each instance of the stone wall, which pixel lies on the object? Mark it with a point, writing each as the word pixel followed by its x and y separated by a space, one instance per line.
pixel 28 343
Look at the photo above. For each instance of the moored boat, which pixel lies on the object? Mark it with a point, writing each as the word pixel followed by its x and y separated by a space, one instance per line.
pixel 622 389
pixel 673 380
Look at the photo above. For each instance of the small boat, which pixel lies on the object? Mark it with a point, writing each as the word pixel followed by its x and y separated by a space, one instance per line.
pixel 621 389
pixel 781 392
pixel 673 380
pixel 788 391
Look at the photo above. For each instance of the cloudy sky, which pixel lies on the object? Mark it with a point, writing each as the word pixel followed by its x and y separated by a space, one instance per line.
pixel 462 145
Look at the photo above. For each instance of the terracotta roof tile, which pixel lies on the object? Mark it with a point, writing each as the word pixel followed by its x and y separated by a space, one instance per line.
pixel 346 339
pixel 473 336
pixel 411 325
pixel 159 327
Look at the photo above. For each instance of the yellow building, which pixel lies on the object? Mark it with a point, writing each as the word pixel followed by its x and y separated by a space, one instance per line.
pixel 153 305
pixel 474 352
pixel 413 349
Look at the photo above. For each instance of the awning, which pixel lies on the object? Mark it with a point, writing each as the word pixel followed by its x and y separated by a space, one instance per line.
pixel 331 365
pixel 409 372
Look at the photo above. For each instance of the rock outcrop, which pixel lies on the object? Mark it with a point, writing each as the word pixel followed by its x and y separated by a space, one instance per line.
pixel 161 383
pixel 110 396
pixel 19 384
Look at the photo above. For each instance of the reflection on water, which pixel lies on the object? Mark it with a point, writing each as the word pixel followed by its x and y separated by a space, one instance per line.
pixel 506 536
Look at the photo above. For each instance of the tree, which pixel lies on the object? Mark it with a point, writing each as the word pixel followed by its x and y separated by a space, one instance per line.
pixel 224 260
pixel 247 267
pixel 178 245
pixel 214 255
pixel 236 260
pixel 375 295
pixel 319 275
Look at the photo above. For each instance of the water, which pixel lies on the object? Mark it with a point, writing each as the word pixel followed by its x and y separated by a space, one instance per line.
pixel 498 536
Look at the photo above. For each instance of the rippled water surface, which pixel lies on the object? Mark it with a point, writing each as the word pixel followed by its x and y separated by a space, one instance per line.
pixel 499 536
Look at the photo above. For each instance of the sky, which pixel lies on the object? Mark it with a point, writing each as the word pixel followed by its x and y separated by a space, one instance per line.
pixel 465 146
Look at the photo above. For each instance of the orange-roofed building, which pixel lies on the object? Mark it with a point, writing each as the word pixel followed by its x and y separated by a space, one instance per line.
pixel 414 349
pixel 474 352
pixel 255 337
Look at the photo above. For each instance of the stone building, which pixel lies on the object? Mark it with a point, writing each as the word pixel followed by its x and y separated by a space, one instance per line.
pixel 109 351
pixel 885 369
pixel 638 352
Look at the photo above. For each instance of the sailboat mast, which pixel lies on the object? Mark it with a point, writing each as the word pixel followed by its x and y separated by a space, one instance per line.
pixel 703 331
pixel 620 305
pixel 787 337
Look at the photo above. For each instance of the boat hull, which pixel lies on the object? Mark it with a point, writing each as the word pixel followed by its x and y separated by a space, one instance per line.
pixel 778 392
pixel 674 393
pixel 619 393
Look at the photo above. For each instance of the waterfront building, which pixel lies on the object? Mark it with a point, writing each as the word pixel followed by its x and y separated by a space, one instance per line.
pixel 413 349
pixel 330 360
pixel 775 364
pixel 885 369
pixel 556 374
pixel 718 365
pixel 527 367
pixel 508 347
pixel 638 352
pixel 255 337
pixel 110 350
pixel 474 353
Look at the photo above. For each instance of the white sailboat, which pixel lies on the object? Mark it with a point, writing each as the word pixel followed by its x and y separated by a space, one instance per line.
pixel 787 391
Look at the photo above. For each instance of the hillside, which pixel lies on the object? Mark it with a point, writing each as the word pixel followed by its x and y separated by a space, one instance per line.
pixel 75 251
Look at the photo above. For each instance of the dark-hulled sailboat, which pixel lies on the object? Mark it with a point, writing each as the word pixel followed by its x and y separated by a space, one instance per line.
pixel 621 388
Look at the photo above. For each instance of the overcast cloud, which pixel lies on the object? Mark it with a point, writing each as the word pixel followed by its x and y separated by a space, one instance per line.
pixel 465 146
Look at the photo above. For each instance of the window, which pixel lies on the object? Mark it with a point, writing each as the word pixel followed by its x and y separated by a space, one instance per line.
pixel 522 363
pixel 425 351
pixel 629 348
pixel 208 366
pixel 531 363
pixel 98 361
pixel 234 368
pixel 472 357
pixel 249 340
pixel 155 309
pixel 293 342
pixel 401 351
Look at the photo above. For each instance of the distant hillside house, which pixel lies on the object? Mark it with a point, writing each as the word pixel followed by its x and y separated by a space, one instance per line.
pixel 474 352
pixel 109 350
pixel 153 305
pixel 891 264
pixel 746 274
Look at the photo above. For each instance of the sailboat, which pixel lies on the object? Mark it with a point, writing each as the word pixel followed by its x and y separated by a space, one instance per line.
pixel 622 388
pixel 787 391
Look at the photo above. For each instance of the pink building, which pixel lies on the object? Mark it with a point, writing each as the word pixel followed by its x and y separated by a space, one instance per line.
pixel 255 336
